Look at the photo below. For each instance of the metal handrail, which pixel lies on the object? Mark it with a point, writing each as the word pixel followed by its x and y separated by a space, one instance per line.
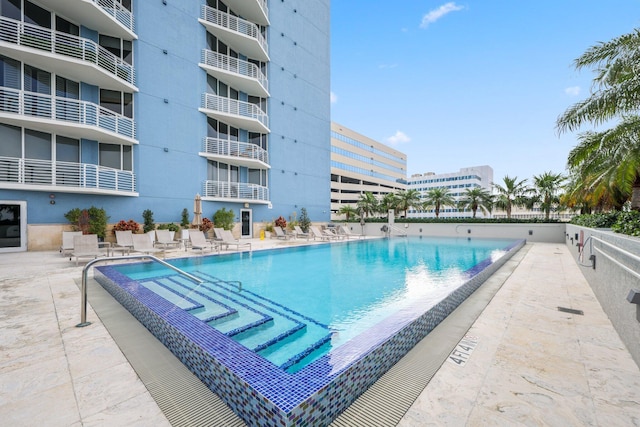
pixel 615 261
pixel 83 302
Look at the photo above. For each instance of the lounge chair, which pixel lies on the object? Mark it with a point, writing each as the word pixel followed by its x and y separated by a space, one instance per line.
pixel 67 241
pixel 86 246
pixel 280 233
pixel 164 240
pixel 124 242
pixel 199 241
pixel 299 232
pixel 229 240
pixel 217 232
pixel 320 235
pixel 348 234
pixel 142 243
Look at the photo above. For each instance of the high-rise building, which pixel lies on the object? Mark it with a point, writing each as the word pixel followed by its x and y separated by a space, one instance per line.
pixel 360 164
pixel 130 105
pixel 456 183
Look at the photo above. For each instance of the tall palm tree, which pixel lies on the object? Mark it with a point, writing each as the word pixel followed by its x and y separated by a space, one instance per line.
pixel 408 199
pixel 546 187
pixel 389 202
pixel 476 198
pixel 616 94
pixel 367 204
pixel 348 211
pixel 437 198
pixel 511 194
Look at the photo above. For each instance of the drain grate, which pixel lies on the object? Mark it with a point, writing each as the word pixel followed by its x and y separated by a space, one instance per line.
pixel 571 310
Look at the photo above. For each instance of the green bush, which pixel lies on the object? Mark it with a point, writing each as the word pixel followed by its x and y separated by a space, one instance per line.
pixel 170 226
pixel 627 223
pixel 304 221
pixel 149 225
pixel 184 222
pixel 89 221
pixel 223 218
pixel 599 220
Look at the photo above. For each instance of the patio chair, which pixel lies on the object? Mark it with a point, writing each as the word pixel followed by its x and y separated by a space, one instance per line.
pixel 229 240
pixel 165 241
pixel 124 242
pixel 142 244
pixel 67 241
pixel 299 232
pixel 322 236
pixel 217 232
pixel 280 233
pixel 86 246
pixel 348 234
pixel 199 241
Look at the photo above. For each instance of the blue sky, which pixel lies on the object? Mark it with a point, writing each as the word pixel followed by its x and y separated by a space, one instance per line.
pixel 458 84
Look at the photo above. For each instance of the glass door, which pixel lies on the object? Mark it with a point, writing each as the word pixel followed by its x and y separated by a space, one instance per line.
pixel 13 226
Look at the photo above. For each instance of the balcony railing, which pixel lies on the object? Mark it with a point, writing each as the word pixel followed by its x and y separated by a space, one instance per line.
pixel 235 191
pixel 248 77
pixel 21 173
pixel 33 36
pixel 246 152
pixel 239 31
pixel 65 110
pixel 244 115
pixel 118 12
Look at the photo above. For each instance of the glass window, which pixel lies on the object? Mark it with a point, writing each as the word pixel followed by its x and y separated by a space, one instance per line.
pixel 37 145
pixel 10 9
pixel 66 88
pixel 34 14
pixel 110 155
pixel 118 102
pixel 126 4
pixel 112 44
pixel 9 72
pixel 127 107
pixel 127 158
pixel 127 52
pixel 11 137
pixel 67 149
pixel 67 27
pixel 37 80
pixel 254 176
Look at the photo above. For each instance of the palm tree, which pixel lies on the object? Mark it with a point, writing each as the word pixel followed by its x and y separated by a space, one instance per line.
pixel 438 198
pixel 389 202
pixel 367 204
pixel 614 152
pixel 476 198
pixel 408 199
pixel 546 188
pixel 511 194
pixel 348 211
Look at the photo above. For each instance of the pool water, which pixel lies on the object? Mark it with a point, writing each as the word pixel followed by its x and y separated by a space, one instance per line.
pixel 293 306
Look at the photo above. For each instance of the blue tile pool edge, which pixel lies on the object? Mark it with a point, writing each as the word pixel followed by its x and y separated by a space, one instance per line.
pixel 263 394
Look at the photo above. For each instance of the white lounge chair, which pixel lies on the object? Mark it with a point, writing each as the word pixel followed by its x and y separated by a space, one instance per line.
pixel 229 240
pixel 86 246
pixel 199 241
pixel 165 241
pixel 320 235
pixel 124 242
pixel 142 243
pixel 348 234
pixel 280 233
pixel 299 232
pixel 67 241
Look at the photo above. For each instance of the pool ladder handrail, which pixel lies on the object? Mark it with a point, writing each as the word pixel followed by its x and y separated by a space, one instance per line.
pixel 83 302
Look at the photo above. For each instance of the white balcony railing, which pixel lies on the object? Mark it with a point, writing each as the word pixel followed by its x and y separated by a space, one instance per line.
pixel 238 26
pixel 118 12
pixel 244 69
pixel 250 116
pixel 240 150
pixel 33 36
pixel 33 172
pixel 235 191
pixel 65 110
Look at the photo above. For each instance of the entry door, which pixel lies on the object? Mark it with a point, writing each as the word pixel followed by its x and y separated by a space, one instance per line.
pixel 247 224
pixel 13 226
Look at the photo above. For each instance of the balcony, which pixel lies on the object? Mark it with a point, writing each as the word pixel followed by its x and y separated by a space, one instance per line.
pixel 104 16
pixel 235 192
pixel 240 35
pixel 70 117
pixel 240 114
pixel 74 57
pixel 253 10
pixel 241 75
pixel 235 153
pixel 46 175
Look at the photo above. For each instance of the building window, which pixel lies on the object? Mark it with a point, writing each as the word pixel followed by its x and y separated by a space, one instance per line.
pixel 118 102
pixel 11 137
pixel 9 73
pixel 37 145
pixel 120 48
pixel 116 156
pixel 66 27
pixel 37 80
pixel 36 15
pixel 67 149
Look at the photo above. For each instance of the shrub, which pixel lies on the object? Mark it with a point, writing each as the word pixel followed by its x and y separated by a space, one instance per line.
pixel 149 225
pixel 223 218
pixel 206 225
pixel 89 221
pixel 184 222
pixel 627 223
pixel 170 226
pixel 599 220
pixel 281 222
pixel 123 225
pixel 305 222
pixel 268 226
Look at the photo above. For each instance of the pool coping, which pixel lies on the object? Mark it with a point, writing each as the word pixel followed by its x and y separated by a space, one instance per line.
pixel 275 401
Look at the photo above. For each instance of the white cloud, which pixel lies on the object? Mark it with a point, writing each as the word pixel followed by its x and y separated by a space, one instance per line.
pixel 333 98
pixel 398 138
pixel 573 90
pixel 438 13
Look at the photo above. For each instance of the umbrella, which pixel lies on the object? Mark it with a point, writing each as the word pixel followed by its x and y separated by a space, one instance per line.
pixel 197 211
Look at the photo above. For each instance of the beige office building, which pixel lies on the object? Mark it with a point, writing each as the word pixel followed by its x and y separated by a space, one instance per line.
pixel 360 164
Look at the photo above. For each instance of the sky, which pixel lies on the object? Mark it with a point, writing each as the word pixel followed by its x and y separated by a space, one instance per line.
pixel 468 83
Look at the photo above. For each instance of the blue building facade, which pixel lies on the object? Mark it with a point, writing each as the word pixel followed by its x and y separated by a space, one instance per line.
pixel 130 105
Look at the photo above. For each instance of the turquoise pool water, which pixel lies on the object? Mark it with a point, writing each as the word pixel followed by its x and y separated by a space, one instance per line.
pixel 292 306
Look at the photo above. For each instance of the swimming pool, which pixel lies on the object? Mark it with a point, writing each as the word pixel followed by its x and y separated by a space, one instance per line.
pixel 363 326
